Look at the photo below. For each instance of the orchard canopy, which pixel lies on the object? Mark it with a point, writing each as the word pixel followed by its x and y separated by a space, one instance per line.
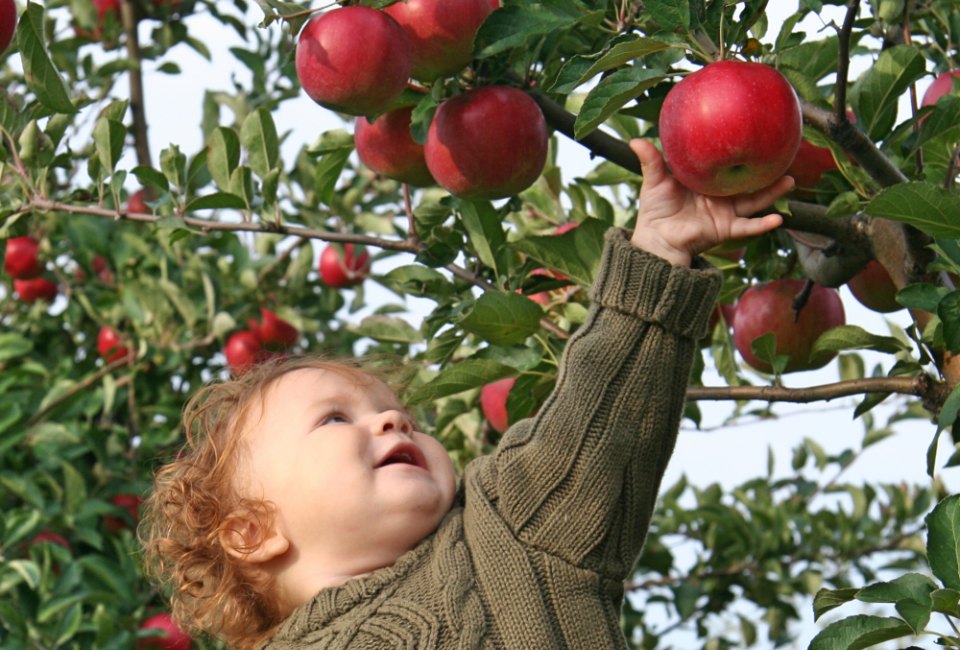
pixel 136 271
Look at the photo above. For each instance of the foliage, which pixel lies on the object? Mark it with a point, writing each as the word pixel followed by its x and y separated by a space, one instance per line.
pixel 232 227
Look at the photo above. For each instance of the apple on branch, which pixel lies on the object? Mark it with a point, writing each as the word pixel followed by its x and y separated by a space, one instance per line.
pixel 167 635
pixel 944 84
pixel 353 59
pixel 110 345
pixel 493 403
pixel 8 23
pixel 731 127
pixel 387 148
pixel 874 289
pixel 273 331
pixel 440 32
pixel 769 308
pixel 22 259
pixel 344 265
pixel 33 289
pixel 243 349
pixel 488 143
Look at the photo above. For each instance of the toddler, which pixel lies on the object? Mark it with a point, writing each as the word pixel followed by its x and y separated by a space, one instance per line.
pixel 308 510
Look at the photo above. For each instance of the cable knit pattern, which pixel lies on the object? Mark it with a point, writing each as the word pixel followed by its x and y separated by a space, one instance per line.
pixel 547 528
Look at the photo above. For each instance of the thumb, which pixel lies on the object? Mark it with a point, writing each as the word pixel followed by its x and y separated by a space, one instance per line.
pixel 652 167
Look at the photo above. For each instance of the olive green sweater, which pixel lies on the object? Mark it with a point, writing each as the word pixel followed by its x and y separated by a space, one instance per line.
pixel 545 530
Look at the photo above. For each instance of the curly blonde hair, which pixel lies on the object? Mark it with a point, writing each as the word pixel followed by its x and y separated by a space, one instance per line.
pixel 192 501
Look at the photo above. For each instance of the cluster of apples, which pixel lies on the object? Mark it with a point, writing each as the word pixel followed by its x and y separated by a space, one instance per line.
pixel 489 142
pixel 22 263
pixel 262 340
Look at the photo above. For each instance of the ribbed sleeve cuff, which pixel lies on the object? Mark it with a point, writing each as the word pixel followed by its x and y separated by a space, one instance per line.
pixel 635 282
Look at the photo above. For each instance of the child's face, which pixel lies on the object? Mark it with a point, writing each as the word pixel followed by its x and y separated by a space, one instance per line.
pixel 354 484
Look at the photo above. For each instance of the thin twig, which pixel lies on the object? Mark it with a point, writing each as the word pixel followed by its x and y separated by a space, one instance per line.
pixel 920 386
pixel 77 388
pixel 843 60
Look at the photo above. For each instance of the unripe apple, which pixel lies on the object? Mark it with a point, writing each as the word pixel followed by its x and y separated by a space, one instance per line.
pixel 488 143
pixel 440 32
pixel 874 288
pixel 34 289
pixel 353 59
pixel 129 502
pixel 110 345
pixel 22 259
pixel 493 403
pixel 273 330
pixel 768 307
pixel 8 23
pixel 942 85
pixel 172 637
pixel 730 127
pixel 344 266
pixel 386 147
pixel 243 349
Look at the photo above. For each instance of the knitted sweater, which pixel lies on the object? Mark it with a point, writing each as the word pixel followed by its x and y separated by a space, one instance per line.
pixel 545 530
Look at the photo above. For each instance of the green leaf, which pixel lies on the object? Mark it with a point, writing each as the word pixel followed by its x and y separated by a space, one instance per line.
pixel 827 599
pixel 259 136
pixel 75 489
pixel 612 93
pixel 328 172
pixel 858 632
pixel 575 253
pixel 39 71
pixel 150 176
pixel 946 601
pixel 930 208
pixel 922 296
pixel 174 165
pixel 13 345
pixel 670 15
pixel 484 229
pixel 911 594
pixel 502 318
pixel 389 329
pixel 224 146
pixel 579 69
pixel 461 376
pixel 512 26
pixel 943 540
pixel 417 280
pixel 853 337
pixel 215 201
pixel 875 94
pixel 949 312
pixel 108 136
pixel 765 348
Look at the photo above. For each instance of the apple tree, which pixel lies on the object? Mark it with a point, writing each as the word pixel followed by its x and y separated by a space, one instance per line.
pixel 436 226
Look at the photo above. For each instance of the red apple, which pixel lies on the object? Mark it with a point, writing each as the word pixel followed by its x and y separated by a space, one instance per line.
pixel 273 330
pixel 137 203
pixel 344 266
pixel 34 289
pixel 488 143
pixel 493 403
pixel 440 32
pixel 110 345
pixel 51 537
pixel 243 349
pixel 8 23
pixel 730 127
pixel 353 59
pixel 22 260
pixel 171 637
pixel 130 503
pixel 810 164
pixel 386 146
pixel 768 307
pixel 874 288
pixel 104 9
pixel 942 85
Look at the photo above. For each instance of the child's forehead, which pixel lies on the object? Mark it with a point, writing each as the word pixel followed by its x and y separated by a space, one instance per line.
pixel 334 383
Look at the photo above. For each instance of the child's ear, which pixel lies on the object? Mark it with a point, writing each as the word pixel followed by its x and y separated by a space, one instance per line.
pixel 246 538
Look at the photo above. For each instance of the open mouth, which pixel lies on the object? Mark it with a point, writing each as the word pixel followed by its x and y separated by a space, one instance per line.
pixel 404 455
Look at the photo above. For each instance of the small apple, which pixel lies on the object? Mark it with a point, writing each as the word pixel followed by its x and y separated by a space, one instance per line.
pixel 22 259
pixel 768 307
pixel 353 59
pixel 273 330
pixel 8 23
pixel 386 147
pixel 34 289
pixel 171 637
pixel 730 127
pixel 243 349
pixel 440 32
pixel 944 84
pixel 488 143
pixel 874 289
pixel 493 403
pixel 110 345
pixel 131 504
pixel 344 266
pixel 137 203
pixel 52 538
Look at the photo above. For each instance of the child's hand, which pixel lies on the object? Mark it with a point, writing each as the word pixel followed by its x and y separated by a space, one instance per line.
pixel 676 223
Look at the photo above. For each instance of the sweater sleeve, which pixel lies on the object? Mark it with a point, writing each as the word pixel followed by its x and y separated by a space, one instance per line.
pixel 579 480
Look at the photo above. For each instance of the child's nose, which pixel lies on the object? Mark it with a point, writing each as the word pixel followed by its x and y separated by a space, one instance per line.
pixel 393 421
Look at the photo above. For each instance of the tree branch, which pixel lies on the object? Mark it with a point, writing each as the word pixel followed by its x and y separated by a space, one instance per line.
pixel 843 61
pixel 128 12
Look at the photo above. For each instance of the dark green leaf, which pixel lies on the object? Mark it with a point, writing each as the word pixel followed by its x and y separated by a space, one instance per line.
pixel 259 136
pixel 215 201
pixel 875 94
pixel 670 15
pixel 612 93
pixel 511 26
pixel 108 136
pixel 930 208
pixel 461 376
pixel 484 229
pixel 502 318
pixel 13 345
pixel 224 146
pixel 858 632
pixel 922 296
pixel 390 329
pixel 827 599
pixel 943 540
pixel 853 337
pixel 575 253
pixel 39 71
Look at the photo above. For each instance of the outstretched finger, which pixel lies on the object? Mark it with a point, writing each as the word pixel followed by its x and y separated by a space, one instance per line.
pixel 652 167
pixel 749 204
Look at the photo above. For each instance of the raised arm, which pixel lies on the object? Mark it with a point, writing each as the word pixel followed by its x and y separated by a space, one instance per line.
pixel 580 479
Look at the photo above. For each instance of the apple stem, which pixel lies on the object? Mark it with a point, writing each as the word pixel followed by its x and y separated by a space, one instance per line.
pixel 800 300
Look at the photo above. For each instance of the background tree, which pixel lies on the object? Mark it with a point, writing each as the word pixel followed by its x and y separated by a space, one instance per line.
pixel 128 285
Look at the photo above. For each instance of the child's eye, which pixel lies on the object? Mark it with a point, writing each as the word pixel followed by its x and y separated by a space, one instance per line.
pixel 333 418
